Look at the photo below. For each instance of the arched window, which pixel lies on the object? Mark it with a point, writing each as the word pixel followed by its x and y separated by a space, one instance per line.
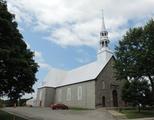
pixel 103 85
pixel 68 97
pixel 59 95
pixel 40 95
pixel 79 93
pixel 102 43
pixel 105 43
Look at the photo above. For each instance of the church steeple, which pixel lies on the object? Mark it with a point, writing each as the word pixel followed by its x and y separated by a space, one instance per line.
pixel 104 41
pixel 104 53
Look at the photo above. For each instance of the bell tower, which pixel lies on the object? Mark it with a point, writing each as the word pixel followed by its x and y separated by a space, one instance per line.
pixel 104 41
pixel 103 52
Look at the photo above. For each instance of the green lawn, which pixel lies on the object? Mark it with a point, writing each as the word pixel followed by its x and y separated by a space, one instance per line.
pixel 6 116
pixel 131 114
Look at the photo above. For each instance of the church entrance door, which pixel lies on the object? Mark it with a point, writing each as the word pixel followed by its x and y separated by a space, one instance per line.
pixel 103 101
pixel 115 98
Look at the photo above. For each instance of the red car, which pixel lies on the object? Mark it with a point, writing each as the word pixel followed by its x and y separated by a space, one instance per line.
pixel 59 107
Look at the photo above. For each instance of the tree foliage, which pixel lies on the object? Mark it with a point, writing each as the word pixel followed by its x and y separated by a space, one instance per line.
pixel 135 55
pixel 17 66
pixel 136 92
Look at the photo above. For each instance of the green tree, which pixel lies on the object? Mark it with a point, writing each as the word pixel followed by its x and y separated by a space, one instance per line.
pixel 135 55
pixel 17 66
pixel 1 103
pixel 136 92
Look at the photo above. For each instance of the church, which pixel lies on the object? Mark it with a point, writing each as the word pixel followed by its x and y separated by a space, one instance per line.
pixel 90 86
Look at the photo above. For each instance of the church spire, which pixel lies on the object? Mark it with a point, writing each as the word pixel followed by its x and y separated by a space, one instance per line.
pixel 104 53
pixel 103 24
pixel 104 41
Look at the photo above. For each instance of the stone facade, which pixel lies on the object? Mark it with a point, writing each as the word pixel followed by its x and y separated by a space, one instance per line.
pixel 108 89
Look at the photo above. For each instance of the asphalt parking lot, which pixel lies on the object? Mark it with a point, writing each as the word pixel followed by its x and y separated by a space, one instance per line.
pixel 35 113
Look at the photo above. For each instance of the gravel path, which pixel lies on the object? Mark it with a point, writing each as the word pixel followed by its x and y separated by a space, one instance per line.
pixel 49 114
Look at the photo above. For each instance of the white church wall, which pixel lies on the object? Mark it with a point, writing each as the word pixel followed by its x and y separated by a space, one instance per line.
pixel 40 97
pixel 37 97
pixel 81 95
pixel 49 96
pixel 45 96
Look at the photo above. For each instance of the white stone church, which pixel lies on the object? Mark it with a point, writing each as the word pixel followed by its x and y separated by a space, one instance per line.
pixel 89 86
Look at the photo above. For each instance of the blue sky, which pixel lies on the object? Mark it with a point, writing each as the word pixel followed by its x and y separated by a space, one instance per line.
pixel 65 33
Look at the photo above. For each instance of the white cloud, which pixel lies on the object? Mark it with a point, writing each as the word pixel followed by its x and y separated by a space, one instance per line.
pixel 74 23
pixel 38 54
pixel 28 45
pixel 40 60
pixel 44 65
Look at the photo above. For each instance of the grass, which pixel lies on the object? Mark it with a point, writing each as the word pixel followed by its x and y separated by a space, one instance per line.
pixel 7 116
pixel 131 114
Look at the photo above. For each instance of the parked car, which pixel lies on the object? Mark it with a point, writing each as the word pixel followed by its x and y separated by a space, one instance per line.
pixel 59 107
